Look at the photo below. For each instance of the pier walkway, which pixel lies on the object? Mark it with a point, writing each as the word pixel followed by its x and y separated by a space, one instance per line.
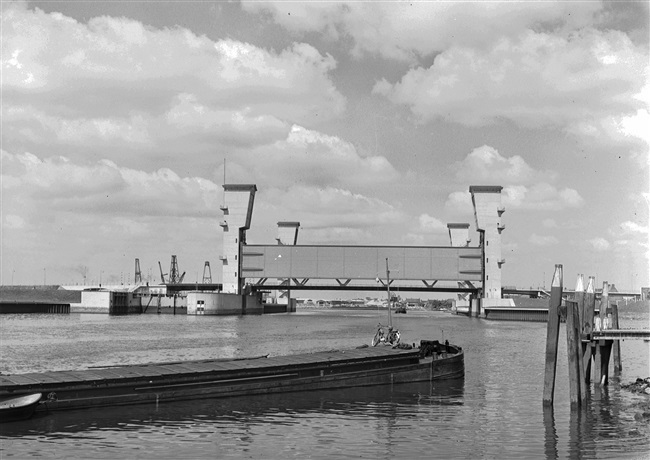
pixel 617 334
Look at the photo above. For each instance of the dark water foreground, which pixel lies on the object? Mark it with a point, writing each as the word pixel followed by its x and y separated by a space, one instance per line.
pixel 494 412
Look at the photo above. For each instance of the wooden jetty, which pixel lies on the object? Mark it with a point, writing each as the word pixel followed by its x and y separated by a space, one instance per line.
pixel 592 338
pixel 157 382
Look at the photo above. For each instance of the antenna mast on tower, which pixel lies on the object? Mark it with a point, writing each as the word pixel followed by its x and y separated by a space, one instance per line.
pixel 138 273
pixel 175 275
pixel 223 203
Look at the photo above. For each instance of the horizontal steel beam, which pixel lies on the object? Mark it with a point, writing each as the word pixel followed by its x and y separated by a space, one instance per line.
pixel 362 288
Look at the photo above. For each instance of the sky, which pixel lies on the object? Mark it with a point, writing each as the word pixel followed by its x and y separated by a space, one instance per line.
pixel 367 122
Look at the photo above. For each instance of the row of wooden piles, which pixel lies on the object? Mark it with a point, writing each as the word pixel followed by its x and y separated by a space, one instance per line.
pixel 584 353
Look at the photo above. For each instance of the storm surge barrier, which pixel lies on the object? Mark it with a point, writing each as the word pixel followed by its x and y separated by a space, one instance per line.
pixel 360 267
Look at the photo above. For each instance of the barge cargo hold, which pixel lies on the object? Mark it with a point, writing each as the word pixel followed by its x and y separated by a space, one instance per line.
pixel 174 381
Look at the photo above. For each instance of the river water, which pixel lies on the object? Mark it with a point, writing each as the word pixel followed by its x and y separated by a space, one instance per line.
pixel 494 412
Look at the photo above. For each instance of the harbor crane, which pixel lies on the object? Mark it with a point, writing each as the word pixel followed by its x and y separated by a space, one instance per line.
pixel 162 275
pixel 174 276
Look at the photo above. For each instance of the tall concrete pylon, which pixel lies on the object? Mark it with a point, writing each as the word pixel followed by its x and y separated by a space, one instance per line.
pixel 287 236
pixel 459 237
pixel 288 233
pixel 488 210
pixel 237 211
pixel 459 234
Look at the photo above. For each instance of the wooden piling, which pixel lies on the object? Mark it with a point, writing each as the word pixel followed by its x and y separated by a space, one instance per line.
pixel 552 335
pixel 574 354
pixel 590 305
pixel 579 297
pixel 590 308
pixel 605 353
pixel 616 351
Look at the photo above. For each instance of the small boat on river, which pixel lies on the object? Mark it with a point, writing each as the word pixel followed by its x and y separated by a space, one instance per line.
pixel 18 407
pixel 185 380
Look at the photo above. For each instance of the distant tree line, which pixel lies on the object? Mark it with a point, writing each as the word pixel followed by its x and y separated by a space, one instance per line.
pixel 436 304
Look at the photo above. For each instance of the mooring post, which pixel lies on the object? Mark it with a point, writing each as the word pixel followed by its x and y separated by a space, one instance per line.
pixel 573 345
pixel 552 335
pixel 590 308
pixel 579 297
pixel 599 325
pixel 605 353
pixel 618 367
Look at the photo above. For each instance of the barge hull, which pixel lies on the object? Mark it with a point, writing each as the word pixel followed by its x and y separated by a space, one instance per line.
pixel 126 385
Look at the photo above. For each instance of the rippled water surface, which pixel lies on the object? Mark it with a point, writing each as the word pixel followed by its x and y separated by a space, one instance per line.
pixel 494 412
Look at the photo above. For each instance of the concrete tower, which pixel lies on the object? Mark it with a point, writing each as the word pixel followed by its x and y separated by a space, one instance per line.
pixel 288 233
pixel 459 234
pixel 486 200
pixel 287 236
pixel 459 237
pixel 237 213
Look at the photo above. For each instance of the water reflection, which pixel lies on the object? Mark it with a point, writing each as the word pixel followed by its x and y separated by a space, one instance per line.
pixel 550 433
pixel 600 428
pixel 385 402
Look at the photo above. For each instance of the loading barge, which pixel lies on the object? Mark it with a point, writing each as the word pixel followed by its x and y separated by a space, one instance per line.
pixel 174 381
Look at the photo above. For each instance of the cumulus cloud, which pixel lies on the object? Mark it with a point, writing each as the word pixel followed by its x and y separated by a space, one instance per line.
pixel 486 164
pixel 13 221
pixel 599 244
pixel 307 156
pixel 629 227
pixel 540 240
pixel 319 208
pixel 58 185
pixel 431 224
pixel 40 127
pixel 625 132
pixel 459 202
pixel 108 79
pixel 405 31
pixel 523 186
pixel 102 213
pixel 189 116
pixel 580 79
pixel 541 196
